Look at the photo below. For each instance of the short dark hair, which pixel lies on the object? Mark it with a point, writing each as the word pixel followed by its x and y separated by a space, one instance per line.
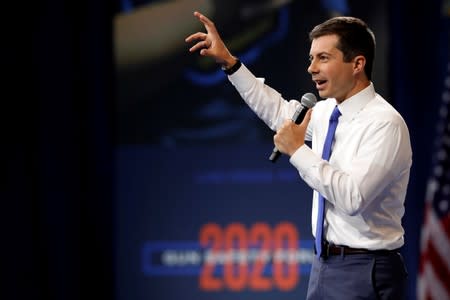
pixel 355 38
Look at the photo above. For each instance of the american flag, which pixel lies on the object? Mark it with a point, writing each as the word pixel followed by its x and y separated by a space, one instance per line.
pixel 434 268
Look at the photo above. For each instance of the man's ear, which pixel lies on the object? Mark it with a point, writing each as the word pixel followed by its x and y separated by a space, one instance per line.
pixel 359 62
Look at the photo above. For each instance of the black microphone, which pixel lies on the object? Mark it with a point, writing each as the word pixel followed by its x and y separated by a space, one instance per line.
pixel 308 100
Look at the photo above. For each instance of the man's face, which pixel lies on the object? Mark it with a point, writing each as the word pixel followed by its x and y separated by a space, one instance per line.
pixel 333 77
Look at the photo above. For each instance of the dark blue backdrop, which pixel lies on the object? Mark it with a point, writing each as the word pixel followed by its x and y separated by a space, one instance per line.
pixel 191 153
pixel 60 131
pixel 165 205
pixel 203 113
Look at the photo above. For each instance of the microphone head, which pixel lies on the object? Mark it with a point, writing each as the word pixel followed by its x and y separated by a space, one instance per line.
pixel 309 100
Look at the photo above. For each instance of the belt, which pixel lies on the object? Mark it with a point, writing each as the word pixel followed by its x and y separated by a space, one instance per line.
pixel 330 249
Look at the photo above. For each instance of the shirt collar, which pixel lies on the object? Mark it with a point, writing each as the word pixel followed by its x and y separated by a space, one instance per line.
pixel 357 102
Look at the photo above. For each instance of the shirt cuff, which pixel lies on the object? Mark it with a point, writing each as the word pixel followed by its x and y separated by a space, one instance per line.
pixel 304 159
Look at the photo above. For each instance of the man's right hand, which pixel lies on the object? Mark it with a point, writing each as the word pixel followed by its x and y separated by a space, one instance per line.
pixel 210 43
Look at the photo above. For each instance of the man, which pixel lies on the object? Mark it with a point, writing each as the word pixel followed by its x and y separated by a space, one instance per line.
pixel 359 190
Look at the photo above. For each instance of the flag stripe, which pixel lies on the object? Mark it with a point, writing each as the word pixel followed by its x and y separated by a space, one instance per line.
pixel 435 261
pixel 434 286
pixel 439 239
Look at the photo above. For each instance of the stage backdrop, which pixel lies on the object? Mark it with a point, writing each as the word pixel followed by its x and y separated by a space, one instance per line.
pixel 201 211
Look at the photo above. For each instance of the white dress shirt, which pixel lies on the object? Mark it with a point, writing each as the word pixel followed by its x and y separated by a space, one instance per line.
pixel 366 178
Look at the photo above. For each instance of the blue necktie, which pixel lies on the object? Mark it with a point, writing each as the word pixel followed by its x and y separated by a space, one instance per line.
pixel 325 155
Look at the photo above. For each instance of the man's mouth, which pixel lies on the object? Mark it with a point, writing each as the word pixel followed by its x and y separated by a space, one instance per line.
pixel 320 83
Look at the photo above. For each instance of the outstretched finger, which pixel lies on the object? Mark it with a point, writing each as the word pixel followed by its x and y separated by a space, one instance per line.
pixel 196 36
pixel 209 25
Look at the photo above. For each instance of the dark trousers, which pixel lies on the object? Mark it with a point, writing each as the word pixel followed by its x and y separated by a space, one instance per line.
pixel 358 276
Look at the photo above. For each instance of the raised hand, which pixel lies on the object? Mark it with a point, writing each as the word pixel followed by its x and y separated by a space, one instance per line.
pixel 210 43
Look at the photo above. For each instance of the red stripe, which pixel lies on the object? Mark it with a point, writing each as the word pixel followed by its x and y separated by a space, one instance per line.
pixel 439 267
pixel 431 256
